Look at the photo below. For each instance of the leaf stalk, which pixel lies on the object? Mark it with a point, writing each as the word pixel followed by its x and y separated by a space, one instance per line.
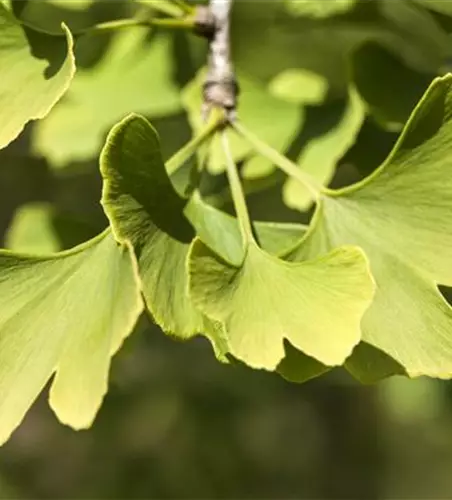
pixel 185 23
pixel 238 195
pixel 215 122
pixel 278 159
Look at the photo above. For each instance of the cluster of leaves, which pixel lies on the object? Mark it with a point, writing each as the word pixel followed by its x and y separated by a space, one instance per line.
pixel 357 287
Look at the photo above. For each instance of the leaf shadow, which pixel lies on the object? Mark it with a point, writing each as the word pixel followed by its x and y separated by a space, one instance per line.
pixel 52 49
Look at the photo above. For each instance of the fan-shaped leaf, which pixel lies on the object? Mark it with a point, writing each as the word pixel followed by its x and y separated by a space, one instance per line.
pixel 134 75
pixel 317 305
pixel 36 70
pixel 67 313
pixel 145 210
pixel 401 215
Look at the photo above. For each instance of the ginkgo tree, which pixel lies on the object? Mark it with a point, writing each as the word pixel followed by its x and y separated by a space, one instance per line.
pixel 352 284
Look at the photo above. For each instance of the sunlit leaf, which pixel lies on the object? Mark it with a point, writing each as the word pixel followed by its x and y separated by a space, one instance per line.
pixel 401 216
pixel 220 232
pixel 134 75
pixel 317 305
pixel 36 70
pixel 66 313
pixel 145 210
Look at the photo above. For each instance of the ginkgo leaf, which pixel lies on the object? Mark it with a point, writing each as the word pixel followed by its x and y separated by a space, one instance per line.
pixel 321 154
pixel 221 233
pixel 257 104
pixel 135 74
pixel 401 215
pixel 262 300
pixel 317 305
pixel 145 210
pixel 36 70
pixel 65 313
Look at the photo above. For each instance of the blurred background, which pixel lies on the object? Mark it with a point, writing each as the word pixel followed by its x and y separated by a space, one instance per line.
pixel 176 423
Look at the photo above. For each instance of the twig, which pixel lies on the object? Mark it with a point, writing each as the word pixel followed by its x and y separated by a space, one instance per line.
pixel 220 87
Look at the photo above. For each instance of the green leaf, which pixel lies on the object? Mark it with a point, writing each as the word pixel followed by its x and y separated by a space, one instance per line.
pixel 440 6
pixel 299 87
pixel 370 365
pixel 420 38
pixel 299 368
pixel 401 215
pixel 256 105
pixel 221 233
pixel 321 154
pixel 391 104
pixel 401 26
pixel 135 74
pixel 32 231
pixel 145 210
pixel 36 71
pixel 65 313
pixel 319 9
pixel 317 305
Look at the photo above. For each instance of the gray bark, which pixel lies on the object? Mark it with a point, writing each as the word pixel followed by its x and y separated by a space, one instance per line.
pixel 220 88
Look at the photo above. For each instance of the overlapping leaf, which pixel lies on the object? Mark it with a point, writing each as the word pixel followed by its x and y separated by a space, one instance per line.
pixel 134 75
pixel 391 104
pixel 317 305
pixel 36 70
pixel 31 231
pixel 145 210
pixel 321 154
pixel 67 313
pixel 401 26
pixel 401 216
